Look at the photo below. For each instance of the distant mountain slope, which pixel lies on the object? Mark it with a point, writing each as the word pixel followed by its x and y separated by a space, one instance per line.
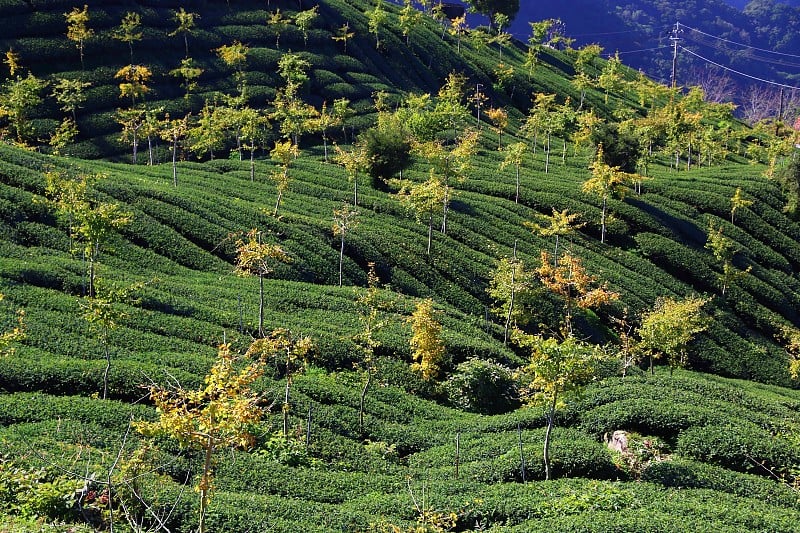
pixel 640 32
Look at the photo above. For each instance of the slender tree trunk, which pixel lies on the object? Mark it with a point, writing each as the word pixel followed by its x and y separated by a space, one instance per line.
pixel 252 164
pixel 277 203
pixel 603 222
pixel 204 483
pixel 430 232
pixel 550 422
pixel 355 190
pixel 445 208
pixel 325 146
pixel 286 403
pixel 547 155
pixel 362 402
pixel 107 370
pixel 341 259
pixel 175 162
pixel 516 194
pixel 260 304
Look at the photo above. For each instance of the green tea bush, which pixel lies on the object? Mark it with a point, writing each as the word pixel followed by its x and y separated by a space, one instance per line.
pixel 740 447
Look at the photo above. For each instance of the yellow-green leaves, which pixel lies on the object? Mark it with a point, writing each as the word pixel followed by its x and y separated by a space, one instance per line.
pixel 14 335
pixel 427 347
pixel 670 326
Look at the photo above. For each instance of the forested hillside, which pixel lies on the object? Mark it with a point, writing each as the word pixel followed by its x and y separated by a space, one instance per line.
pixel 352 266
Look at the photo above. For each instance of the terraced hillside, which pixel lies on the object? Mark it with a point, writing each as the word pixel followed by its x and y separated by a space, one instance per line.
pixel 371 444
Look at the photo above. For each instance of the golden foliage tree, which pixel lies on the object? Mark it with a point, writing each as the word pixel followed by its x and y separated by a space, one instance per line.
pixel 78 29
pixel 14 335
pixel 215 417
pixel 256 257
pixel 427 347
pixel 568 279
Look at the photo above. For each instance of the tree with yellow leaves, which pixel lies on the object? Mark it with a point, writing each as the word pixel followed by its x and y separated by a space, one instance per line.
pixel 559 223
pixel 344 220
pixel 77 28
pixel 499 118
pixel 284 349
pixel 556 368
pixel 284 153
pixel 738 201
pixel 14 335
pixel 568 279
pixel 256 257
pixel 606 182
pixel 669 327
pixel 215 417
pixel 427 347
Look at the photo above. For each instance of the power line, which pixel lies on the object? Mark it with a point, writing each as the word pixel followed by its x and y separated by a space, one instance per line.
pixel 737 43
pixel 762 80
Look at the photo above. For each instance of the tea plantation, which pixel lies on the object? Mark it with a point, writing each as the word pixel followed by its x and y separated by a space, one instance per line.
pixel 121 279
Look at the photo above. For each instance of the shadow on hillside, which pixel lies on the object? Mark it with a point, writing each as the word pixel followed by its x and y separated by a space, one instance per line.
pixel 683 230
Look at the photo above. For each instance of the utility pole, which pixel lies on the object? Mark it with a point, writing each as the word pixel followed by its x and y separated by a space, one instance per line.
pixel 675 39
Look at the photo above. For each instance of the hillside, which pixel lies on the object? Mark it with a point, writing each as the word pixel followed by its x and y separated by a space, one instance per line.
pixel 712 446
pixel 752 43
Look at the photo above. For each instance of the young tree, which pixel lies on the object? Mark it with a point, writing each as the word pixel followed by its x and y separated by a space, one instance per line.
pixel 256 257
pixel 132 121
pixel 91 222
pixel 558 224
pixel 738 201
pixel 354 160
pixel 187 23
pixel 499 117
pixel 78 30
pixel 344 220
pixel 215 417
pixel 18 96
pixel 174 132
pixel 235 56
pixel 610 78
pixel 130 30
pixel 606 182
pixel 409 18
pixel 377 17
pixel 556 368
pixel 449 164
pixel 254 125
pixel 458 26
pixel 515 155
pixel 370 304
pixel 279 23
pixel 343 34
pixel 424 199
pixel 134 81
pixel 304 20
pixel 70 94
pixel 669 328
pixel 509 283
pixel 208 133
pixel 286 350
pixel 64 135
pixel 284 154
pixel 427 348
pixel 724 250
pixel 189 72
pixel 14 335
pixel 103 315
pixel 568 279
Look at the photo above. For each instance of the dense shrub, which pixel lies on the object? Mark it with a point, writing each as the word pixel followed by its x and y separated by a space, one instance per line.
pixel 482 386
